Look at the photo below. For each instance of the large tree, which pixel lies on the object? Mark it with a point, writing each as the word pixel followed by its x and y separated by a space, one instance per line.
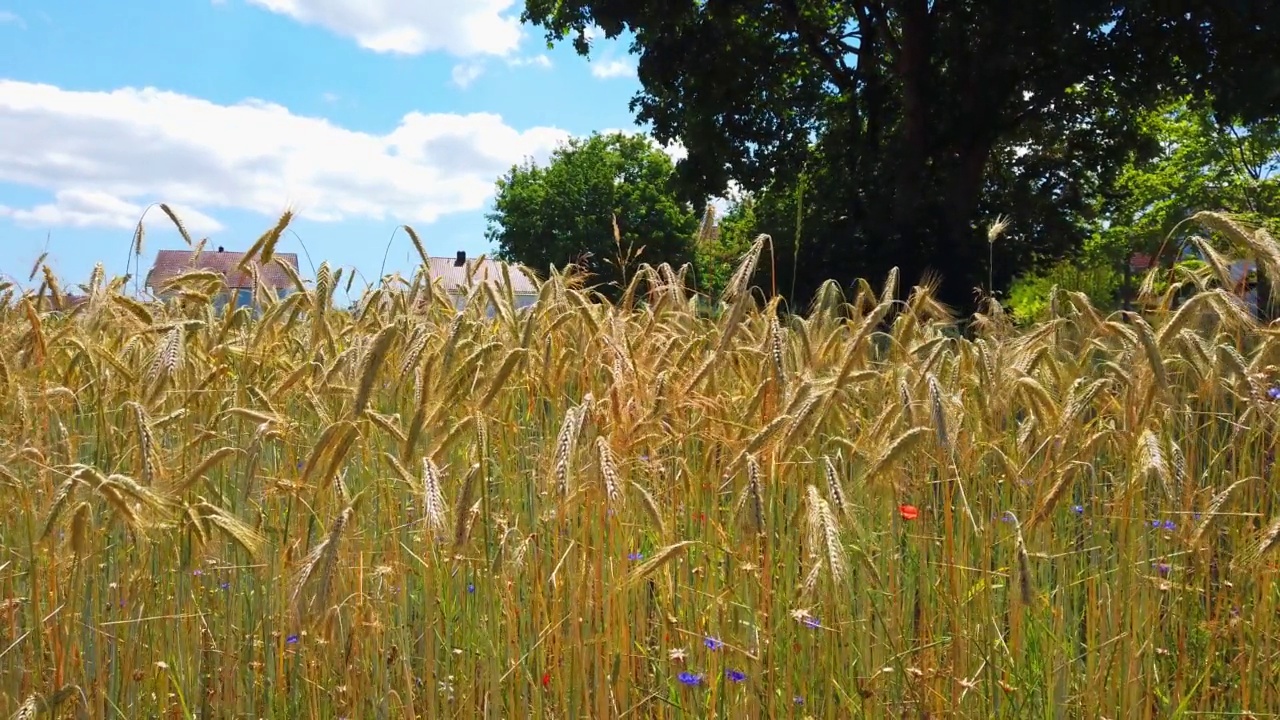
pixel 1198 160
pixel 605 203
pixel 911 107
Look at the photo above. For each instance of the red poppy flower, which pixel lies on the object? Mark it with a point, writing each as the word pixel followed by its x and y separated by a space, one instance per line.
pixel 546 679
pixel 908 512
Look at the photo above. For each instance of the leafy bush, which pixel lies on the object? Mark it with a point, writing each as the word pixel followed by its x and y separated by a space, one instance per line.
pixel 1100 281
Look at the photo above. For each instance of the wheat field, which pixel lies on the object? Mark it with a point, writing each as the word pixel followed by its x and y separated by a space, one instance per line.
pixel 639 509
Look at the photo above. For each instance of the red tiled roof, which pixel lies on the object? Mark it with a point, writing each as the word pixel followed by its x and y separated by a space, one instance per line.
pixel 453 276
pixel 172 263
pixel 1140 261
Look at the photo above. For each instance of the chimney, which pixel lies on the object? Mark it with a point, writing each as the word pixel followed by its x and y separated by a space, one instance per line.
pixel 220 248
pixel 462 258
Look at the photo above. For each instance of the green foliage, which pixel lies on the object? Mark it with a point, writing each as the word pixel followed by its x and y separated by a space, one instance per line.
pixel 1197 162
pixel 1029 295
pixel 718 252
pixel 917 122
pixel 1202 162
pixel 564 212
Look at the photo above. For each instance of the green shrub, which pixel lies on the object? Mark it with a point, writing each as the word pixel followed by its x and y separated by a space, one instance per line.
pixel 1029 294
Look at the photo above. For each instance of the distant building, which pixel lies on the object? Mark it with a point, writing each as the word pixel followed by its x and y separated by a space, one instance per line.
pixel 1241 272
pixel 453 274
pixel 239 285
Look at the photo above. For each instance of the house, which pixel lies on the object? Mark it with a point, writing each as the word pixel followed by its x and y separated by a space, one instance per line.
pixel 1242 274
pixel 239 285
pixel 457 274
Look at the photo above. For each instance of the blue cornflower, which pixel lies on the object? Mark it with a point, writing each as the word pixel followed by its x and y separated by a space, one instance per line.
pixel 1077 509
pixel 1165 524
pixel 798 700
pixel 735 676
pixel 713 643
pixel 1007 517
pixel 1162 568
pixel 635 556
pixel 225 585
pixel 1274 393
pixel 471 588
pixel 812 622
pixel 689 678
pixel 292 639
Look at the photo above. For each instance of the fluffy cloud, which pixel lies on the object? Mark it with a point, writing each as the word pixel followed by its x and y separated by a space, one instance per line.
pixel 676 150
pixel 8 18
pixel 466 73
pixel 93 208
pixel 105 155
pixel 412 27
pixel 605 69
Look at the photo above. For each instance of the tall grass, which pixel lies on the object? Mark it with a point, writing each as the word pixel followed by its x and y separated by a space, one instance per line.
pixel 587 510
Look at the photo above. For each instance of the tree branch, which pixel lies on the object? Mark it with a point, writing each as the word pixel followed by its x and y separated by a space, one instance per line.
pixel 820 42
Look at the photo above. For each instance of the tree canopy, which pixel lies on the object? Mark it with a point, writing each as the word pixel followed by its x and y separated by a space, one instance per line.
pixel 1198 163
pixel 603 203
pixel 915 122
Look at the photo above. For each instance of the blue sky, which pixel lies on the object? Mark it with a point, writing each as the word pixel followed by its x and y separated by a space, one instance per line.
pixel 360 114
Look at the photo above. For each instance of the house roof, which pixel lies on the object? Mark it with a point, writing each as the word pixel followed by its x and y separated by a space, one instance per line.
pixel 1140 261
pixel 454 277
pixel 172 263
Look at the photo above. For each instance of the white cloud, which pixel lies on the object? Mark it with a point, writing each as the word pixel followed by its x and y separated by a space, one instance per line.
pixel 466 73
pixel 104 155
pixel 330 97
pixel 675 149
pixel 9 18
pixel 541 61
pixel 412 27
pixel 605 69
pixel 94 208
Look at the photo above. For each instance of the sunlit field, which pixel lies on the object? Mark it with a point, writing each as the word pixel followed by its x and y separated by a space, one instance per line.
pixel 641 508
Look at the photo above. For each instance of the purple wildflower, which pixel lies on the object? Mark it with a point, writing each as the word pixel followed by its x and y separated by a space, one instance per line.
pixel 635 556
pixel 735 676
pixel 1162 568
pixel 689 678
pixel 713 643
pixel 1274 393
pixel 812 622
pixel 291 640
pixel 1077 509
